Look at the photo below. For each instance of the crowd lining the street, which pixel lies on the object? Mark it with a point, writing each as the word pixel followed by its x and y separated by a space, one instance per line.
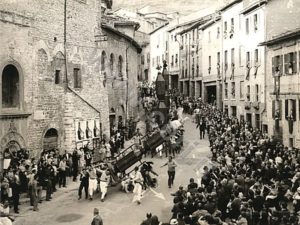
pixel 22 174
pixel 255 179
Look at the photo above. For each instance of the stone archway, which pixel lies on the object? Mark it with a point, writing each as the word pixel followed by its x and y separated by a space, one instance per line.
pixel 50 139
pixel 12 139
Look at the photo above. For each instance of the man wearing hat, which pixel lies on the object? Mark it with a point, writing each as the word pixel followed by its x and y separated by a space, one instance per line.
pixel 97 220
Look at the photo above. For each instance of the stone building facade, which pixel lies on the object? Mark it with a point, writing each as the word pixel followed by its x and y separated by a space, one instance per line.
pixel 233 71
pixel 212 61
pixel 282 71
pixel 120 66
pixel 51 81
pixel 252 59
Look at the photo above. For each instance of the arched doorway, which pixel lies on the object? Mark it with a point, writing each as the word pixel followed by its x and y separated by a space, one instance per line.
pixel 10 87
pixel 50 140
pixel 13 146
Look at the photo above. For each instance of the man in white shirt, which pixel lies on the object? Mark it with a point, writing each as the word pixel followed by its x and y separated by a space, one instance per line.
pixel 138 182
pixel 92 182
pixel 104 181
pixel 171 171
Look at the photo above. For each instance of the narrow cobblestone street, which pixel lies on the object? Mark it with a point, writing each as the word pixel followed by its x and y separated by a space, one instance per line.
pixel 118 207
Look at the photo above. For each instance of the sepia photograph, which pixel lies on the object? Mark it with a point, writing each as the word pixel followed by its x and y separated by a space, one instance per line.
pixel 149 112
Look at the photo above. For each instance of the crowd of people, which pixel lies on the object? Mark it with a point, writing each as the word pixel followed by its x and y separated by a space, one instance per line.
pixel 22 174
pixel 256 180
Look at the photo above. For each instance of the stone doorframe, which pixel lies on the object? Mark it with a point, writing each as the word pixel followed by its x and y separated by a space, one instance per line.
pixel 12 135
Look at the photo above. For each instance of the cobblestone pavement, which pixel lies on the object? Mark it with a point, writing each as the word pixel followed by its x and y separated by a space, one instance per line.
pixel 118 207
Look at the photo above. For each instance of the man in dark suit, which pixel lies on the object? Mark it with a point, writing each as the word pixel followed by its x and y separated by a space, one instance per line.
pixel 97 220
pixel 202 127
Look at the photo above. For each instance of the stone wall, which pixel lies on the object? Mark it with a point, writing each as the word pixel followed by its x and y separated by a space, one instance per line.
pixel 116 83
pixel 32 36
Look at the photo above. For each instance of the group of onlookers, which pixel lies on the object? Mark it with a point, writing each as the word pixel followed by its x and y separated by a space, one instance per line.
pixel 22 174
pixel 256 180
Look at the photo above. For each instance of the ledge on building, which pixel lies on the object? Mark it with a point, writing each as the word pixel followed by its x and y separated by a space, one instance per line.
pixel 14 115
pixel 230 4
pixel 125 36
pixel 291 34
pixel 254 6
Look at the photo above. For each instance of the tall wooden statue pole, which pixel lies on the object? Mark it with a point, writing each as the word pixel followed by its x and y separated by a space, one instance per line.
pixel 162 109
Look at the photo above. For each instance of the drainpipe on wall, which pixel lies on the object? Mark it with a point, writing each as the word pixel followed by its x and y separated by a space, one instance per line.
pixel 65 44
pixel 127 82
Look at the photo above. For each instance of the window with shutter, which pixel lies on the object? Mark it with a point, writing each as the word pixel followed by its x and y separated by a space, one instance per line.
pixel 255 22
pixel 280 109
pixel 286 63
pixel 299 109
pixel 273 66
pixel 257 92
pixel 293 109
pixel 299 60
pixel 273 109
pixel 286 109
pixel 294 62
pixel 280 64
